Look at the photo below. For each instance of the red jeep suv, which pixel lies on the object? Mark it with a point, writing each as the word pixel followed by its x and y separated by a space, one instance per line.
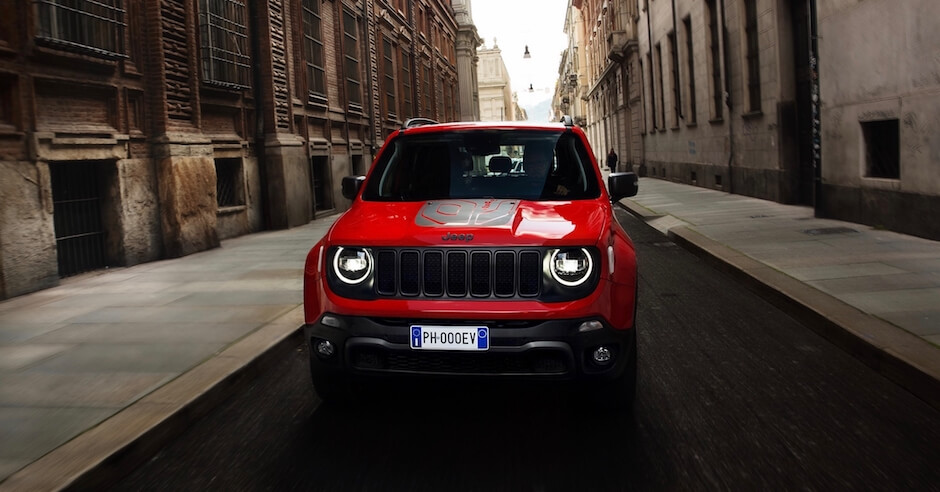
pixel 486 250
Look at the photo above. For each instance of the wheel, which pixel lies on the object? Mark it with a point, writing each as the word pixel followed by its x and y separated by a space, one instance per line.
pixel 618 394
pixel 332 387
pixel 623 389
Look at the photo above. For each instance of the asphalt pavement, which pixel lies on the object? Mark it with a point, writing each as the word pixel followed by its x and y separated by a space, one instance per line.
pixel 98 373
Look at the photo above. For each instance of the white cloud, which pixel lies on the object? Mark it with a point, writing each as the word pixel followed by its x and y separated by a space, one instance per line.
pixel 515 24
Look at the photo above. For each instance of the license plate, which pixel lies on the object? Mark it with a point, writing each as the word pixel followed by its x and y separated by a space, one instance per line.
pixel 450 337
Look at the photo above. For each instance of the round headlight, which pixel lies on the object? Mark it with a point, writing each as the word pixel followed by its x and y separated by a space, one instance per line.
pixel 571 267
pixel 352 265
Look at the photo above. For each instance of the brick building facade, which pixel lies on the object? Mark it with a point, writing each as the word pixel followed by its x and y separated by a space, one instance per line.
pixel 135 130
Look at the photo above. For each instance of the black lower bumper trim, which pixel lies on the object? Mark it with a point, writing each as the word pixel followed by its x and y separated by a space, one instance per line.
pixel 554 349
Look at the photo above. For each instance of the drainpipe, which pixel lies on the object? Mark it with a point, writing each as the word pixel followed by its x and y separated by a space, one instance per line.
pixel 724 56
pixel 372 46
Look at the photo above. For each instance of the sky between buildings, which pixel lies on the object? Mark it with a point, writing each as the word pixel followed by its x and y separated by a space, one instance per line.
pixel 515 24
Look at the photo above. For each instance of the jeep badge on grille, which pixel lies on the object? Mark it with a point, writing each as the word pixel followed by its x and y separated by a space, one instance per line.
pixel 450 236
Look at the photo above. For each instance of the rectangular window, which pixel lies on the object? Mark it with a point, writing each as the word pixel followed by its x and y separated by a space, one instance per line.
pixel 223 38
pixel 7 113
pixel 313 48
pixel 674 79
pixel 753 55
pixel 428 110
pixel 659 76
pixel 690 66
pixel 228 182
pixel 351 55
pixel 86 26
pixel 652 103
pixel 643 104
pixel 440 97
pixel 407 107
pixel 714 60
pixel 882 149
pixel 389 78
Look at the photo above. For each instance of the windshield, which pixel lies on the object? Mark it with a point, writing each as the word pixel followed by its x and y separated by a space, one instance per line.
pixel 531 165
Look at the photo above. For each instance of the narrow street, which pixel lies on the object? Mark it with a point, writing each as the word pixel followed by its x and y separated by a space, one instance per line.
pixel 733 394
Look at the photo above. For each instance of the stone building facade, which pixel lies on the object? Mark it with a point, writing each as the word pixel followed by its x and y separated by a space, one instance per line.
pixel 495 87
pixel 468 40
pixel 136 130
pixel 599 84
pixel 725 91
pixel 757 97
pixel 880 114
pixel 707 92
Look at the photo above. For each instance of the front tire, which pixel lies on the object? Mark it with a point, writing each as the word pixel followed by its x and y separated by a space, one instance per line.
pixel 618 394
pixel 333 388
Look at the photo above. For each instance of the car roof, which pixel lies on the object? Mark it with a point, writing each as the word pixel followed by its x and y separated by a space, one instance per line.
pixel 483 125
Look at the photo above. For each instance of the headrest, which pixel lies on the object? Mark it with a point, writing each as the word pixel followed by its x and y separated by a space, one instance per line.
pixel 500 164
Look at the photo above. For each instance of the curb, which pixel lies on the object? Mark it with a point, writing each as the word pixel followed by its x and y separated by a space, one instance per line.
pixel 104 454
pixel 905 359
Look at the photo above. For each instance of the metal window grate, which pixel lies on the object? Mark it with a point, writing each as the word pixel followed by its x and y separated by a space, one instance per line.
pixel 79 231
pixel 95 26
pixel 228 182
pixel 224 41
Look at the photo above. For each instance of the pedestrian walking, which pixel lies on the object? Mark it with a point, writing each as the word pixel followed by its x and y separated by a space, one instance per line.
pixel 612 160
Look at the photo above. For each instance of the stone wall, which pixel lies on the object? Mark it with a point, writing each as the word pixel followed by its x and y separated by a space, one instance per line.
pixel 867 79
pixel 27 236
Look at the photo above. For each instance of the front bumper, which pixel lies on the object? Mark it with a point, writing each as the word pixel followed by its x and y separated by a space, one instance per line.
pixel 555 349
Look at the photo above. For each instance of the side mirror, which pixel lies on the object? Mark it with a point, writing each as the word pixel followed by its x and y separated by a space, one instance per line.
pixel 351 186
pixel 622 185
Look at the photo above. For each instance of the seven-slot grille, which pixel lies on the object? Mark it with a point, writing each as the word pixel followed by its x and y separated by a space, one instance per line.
pixel 458 272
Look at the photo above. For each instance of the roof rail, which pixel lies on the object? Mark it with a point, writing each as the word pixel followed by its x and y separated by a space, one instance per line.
pixel 567 120
pixel 413 122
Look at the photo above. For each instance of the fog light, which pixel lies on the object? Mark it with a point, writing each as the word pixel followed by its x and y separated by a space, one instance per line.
pixel 602 355
pixel 590 326
pixel 325 348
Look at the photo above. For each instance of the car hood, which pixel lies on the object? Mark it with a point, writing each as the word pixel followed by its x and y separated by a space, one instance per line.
pixel 472 222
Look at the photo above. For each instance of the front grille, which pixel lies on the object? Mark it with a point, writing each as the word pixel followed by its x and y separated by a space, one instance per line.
pixel 479 273
pixel 535 362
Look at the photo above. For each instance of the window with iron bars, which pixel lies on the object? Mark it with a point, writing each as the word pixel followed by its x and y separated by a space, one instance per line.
pixel 88 26
pixel 313 48
pixel 223 37
pixel 229 185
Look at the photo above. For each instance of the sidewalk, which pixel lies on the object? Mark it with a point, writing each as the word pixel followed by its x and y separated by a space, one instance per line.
pixel 99 372
pixel 875 293
pixel 111 356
